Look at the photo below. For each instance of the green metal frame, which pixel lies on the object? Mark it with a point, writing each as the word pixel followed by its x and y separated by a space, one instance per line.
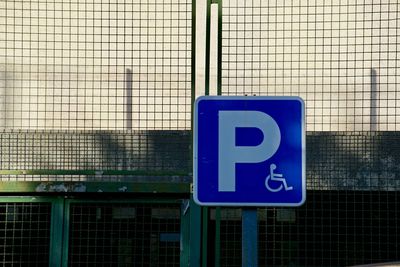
pixel 195 233
pixel 185 233
pixel 217 236
pixel 28 186
pixel 204 254
pixel 185 230
pixel 219 81
pixel 56 226
pixel 92 172
pixel 206 210
pixel 93 187
pixel 58 193
pixel 57 232
pixel 60 216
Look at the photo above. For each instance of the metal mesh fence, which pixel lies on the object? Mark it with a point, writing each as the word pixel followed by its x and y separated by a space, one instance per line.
pixel 340 57
pixel 360 161
pixel 85 87
pixel 231 232
pixel 333 228
pixel 351 214
pixel 24 234
pixel 124 235
pixel 95 155
pixel 95 64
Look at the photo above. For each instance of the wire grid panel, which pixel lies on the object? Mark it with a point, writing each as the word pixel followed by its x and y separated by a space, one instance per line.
pixel 335 161
pixel 341 57
pixel 333 228
pixel 105 64
pixel 231 237
pixel 107 234
pixel 24 234
pixel 351 214
pixel 95 155
pixel 360 161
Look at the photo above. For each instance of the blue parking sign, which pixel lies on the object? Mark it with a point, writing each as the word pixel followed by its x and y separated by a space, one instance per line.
pixel 249 151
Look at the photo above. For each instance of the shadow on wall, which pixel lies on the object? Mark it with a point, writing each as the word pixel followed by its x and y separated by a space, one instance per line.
pixel 166 154
pixel 353 161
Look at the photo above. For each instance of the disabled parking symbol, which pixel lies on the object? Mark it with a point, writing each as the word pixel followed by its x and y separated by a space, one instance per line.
pixel 249 151
pixel 276 177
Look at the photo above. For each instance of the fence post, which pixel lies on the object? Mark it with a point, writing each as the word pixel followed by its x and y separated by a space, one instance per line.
pixel 128 99
pixel 249 237
pixel 56 232
pixel 195 234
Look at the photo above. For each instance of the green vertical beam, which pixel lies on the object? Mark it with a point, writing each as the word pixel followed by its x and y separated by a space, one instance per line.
pixel 217 237
pixel 204 254
pixel 194 210
pixel 185 234
pixel 194 224
pixel 56 232
pixel 64 259
pixel 193 67
pixel 207 73
pixel 195 233
pixel 219 71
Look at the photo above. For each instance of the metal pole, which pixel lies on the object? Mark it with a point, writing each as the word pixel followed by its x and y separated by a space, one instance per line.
pixel 195 234
pixel 374 101
pixel 128 99
pixel 56 232
pixel 249 237
pixel 217 237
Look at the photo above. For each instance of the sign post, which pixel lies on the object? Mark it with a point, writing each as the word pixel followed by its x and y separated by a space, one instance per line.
pixel 249 237
pixel 249 152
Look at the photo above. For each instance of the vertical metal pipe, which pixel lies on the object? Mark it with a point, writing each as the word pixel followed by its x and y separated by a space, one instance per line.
pixel 3 107
pixel 374 101
pixel 217 236
pixel 128 99
pixel 204 244
pixel 207 74
pixel 56 232
pixel 219 72
pixel 249 237
pixel 213 51
pixel 195 234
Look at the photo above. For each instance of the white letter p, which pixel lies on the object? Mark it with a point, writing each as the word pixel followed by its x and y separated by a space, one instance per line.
pixel 229 154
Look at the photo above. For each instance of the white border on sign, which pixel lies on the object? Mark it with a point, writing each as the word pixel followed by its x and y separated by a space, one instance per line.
pixel 246 204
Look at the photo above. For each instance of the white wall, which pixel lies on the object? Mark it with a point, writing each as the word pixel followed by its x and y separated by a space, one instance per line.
pixel 68 62
pixel 321 50
pixel 63 65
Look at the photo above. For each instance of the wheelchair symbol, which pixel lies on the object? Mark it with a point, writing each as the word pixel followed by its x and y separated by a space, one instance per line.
pixel 276 177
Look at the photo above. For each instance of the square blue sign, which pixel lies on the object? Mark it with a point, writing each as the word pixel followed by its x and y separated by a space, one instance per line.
pixel 249 151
